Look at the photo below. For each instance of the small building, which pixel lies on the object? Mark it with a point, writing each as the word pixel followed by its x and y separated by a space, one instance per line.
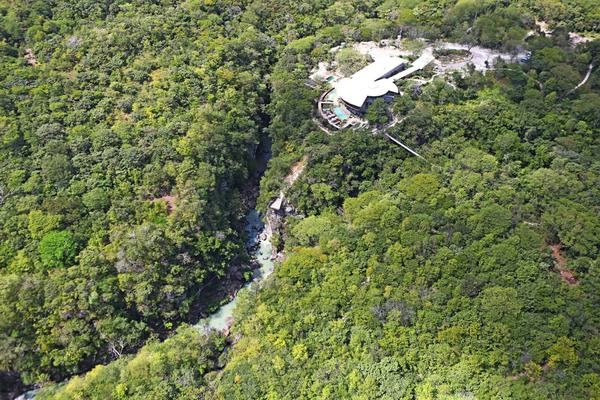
pixel 370 83
pixel 276 205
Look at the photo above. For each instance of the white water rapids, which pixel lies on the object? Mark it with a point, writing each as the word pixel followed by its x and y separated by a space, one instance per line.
pixel 258 239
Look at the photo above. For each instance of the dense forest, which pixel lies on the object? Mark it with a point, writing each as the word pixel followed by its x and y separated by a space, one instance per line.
pixel 129 158
pixel 126 154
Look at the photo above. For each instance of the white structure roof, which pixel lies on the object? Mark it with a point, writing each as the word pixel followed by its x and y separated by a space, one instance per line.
pixel 378 68
pixel 356 91
pixel 419 64
pixel 276 205
pixel 368 83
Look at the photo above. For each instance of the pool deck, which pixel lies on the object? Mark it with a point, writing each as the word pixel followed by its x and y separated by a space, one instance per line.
pixel 327 104
pixel 340 113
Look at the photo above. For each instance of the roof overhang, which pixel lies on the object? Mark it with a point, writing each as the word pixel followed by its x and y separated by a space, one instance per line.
pixel 355 91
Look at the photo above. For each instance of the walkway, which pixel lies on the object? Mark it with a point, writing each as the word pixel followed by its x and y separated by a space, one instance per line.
pixel 420 63
pixel 584 81
pixel 393 139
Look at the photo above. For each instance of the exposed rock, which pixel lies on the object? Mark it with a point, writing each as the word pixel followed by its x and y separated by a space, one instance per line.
pixel 561 264
pixel 170 200
pixel 30 57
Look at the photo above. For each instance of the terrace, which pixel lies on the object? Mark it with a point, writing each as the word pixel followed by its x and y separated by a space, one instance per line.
pixel 333 110
pixel 348 98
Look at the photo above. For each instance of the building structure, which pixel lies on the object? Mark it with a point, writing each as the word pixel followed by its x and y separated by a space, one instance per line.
pixel 373 81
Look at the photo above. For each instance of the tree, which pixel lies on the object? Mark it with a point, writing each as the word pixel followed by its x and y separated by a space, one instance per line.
pixel 39 223
pixel 350 60
pixel 573 226
pixel 562 354
pixel 57 249
pixel 377 113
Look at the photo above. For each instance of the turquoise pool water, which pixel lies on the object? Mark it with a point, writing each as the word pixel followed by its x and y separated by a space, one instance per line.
pixel 332 95
pixel 340 114
pixel 330 78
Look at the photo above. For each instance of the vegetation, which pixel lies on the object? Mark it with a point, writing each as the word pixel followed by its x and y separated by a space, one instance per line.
pixel 129 132
pixel 377 113
pixel 126 152
pixel 172 369
pixel 472 275
pixel 350 60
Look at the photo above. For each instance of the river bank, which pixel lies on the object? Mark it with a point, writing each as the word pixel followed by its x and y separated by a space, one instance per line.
pixel 259 241
pixel 254 263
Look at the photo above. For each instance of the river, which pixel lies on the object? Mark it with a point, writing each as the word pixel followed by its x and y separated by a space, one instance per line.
pixel 258 241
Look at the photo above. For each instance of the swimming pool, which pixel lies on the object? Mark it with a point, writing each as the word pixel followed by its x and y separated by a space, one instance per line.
pixel 332 96
pixel 340 114
pixel 330 78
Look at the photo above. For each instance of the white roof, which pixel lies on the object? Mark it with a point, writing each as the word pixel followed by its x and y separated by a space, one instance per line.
pixel 356 91
pixel 378 68
pixel 368 83
pixel 276 205
pixel 419 64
